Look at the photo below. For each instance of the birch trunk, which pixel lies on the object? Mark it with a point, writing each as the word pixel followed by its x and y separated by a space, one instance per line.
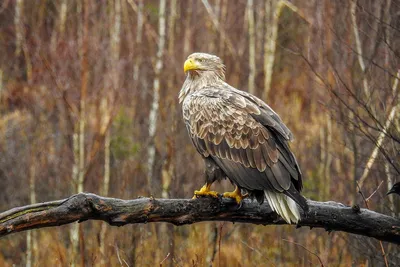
pixel 273 12
pixel 359 46
pixel 74 230
pixel 59 32
pixel 79 134
pixel 106 183
pixel 223 15
pixel 151 151
pixel 18 26
pixel 31 244
pixel 354 157
pixel 137 7
pixel 171 27
pixel 138 41
pixel 259 12
pixel 388 40
pixel 271 35
pixel 252 46
pixel 328 159
pixel 389 186
pixel 115 36
pixel 1 82
pixel 187 34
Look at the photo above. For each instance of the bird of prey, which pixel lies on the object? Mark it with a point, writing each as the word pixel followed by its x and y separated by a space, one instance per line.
pixel 240 138
pixel 395 189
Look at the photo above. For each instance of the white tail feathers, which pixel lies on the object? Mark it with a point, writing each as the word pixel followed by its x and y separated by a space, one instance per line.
pixel 284 206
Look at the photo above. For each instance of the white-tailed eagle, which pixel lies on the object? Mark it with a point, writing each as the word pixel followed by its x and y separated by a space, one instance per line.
pixel 241 138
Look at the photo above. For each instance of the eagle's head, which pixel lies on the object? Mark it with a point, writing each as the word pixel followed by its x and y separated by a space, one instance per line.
pixel 202 70
pixel 203 64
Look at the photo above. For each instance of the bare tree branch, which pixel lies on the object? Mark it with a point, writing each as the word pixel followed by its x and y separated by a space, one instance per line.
pixel 218 27
pixel 331 216
pixel 382 135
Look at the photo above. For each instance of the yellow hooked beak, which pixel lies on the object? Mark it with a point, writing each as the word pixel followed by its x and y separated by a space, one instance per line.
pixel 190 64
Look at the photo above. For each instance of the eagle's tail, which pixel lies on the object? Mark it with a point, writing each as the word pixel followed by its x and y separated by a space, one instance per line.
pixel 284 206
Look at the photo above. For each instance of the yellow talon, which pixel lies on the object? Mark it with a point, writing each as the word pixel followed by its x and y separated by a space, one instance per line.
pixel 236 195
pixel 205 191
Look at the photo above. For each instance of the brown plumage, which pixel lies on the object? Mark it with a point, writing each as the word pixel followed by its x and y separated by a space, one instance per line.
pixel 240 137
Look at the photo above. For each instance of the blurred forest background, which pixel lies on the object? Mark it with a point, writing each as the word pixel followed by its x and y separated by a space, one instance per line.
pixel 88 102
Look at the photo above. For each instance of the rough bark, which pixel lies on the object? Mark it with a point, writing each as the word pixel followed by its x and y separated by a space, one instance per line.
pixel 331 216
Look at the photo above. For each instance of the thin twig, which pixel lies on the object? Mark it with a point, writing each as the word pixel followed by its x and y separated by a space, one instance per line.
pixel 256 250
pixel 300 245
pixel 380 242
pixel 376 190
pixel 166 257
pixel 119 258
pixel 392 114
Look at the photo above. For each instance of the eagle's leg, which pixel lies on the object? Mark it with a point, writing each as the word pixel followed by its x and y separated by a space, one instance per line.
pixel 205 191
pixel 236 195
pixel 213 173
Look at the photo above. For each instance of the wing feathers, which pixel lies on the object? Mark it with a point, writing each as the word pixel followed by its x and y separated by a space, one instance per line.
pixel 243 158
pixel 248 141
pixel 250 157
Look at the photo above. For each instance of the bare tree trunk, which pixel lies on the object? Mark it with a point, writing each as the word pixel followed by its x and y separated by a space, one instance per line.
pixel 1 82
pixel 260 26
pixel 138 41
pixel 224 13
pixel 218 27
pixel 138 8
pixel 106 178
pixel 106 182
pixel 271 35
pixel 18 26
pixel 252 46
pixel 31 244
pixel 115 36
pixel 273 12
pixel 79 134
pixel 74 230
pixel 59 32
pixel 389 186
pixel 187 33
pixel 63 16
pixel 328 157
pixel 171 26
pixel 168 173
pixel 359 46
pixel 151 151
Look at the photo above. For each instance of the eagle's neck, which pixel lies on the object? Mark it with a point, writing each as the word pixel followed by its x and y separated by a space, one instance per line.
pixel 197 80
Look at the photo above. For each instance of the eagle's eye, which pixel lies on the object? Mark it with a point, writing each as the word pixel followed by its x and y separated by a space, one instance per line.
pixel 201 60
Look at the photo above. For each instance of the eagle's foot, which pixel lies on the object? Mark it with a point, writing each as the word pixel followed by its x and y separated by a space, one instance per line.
pixel 205 192
pixel 236 195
